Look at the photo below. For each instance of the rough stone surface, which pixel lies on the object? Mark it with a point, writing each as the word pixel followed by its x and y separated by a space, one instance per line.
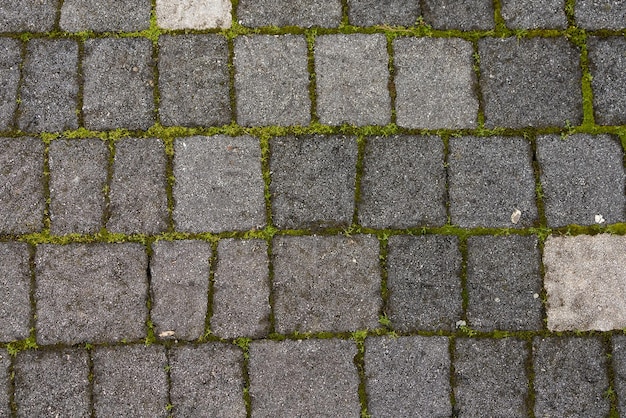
pixel 607 63
pixel 193 14
pixel 10 59
pixel 390 12
pixel 407 374
pixel 28 16
pixel 105 15
pixel 585 279
pixel 15 309
pixel 534 14
pixel 329 283
pixel 619 367
pixel 324 13
pixel 601 14
pixel 5 363
pixel 462 15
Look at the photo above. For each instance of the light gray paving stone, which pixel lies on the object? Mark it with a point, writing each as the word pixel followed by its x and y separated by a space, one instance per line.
pixel 323 13
pixel 390 12
pixel 607 64
pixel 619 367
pixel 601 14
pixel 534 14
pixel 194 14
pixel 329 283
pixel 462 15
pixel 407 374
pixel 28 16
pixel 15 276
pixel 5 382
pixel 105 15
pixel 10 60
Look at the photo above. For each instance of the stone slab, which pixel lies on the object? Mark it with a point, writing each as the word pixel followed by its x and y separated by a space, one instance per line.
pixel 193 14
pixel 323 13
pixel 10 60
pixel 618 350
pixel 375 12
pixel 15 309
pixel 534 14
pixel 462 15
pixel 601 14
pixel 28 16
pixel 5 382
pixel 105 15
pixel 607 64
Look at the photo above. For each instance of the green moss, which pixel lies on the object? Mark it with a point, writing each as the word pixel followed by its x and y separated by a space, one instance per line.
pixel 30 343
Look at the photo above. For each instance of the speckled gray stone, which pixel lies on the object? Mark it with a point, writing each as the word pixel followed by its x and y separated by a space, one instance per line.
pixel 607 64
pixel 601 14
pixel 28 16
pixel 462 15
pixel 389 12
pixel 534 14
pixel 105 15
pixel 619 367
pixel 15 311
pixel 5 363
pixel 324 13
pixel 10 59
pixel 194 14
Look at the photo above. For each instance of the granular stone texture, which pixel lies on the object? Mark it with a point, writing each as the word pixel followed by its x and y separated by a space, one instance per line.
pixel 489 180
pixel 329 283
pixel 10 59
pixel 207 380
pixel 345 92
pixel 219 186
pixel 92 293
pixel 272 80
pixel 585 281
pixel 607 64
pixel 304 378
pixel 241 290
pixel 534 14
pixel 601 14
pixel 582 177
pixel 435 83
pixel 570 377
pixel 193 14
pixel 461 15
pixel 5 363
pixel 313 181
pixel 105 15
pixel 530 82
pixel 15 309
pixel 193 80
pixel 376 12
pixel 28 16
pixel 619 367
pixel 323 13
pixel 407 374
pixel 179 285
pixel 424 282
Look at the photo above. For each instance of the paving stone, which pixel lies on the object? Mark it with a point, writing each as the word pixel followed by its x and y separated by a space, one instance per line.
pixel 490 378
pixel 21 185
pixel 193 14
pixel 90 293
pixel 570 377
pixel 346 93
pixel 424 282
pixel 407 374
pixel 130 381
pixel 607 63
pixel 619 366
pixel 530 82
pixel 78 175
pixel 28 16
pixel 52 383
pixel 577 190
pixel 5 363
pixel 105 15
pixel 313 181
pixel 435 83
pixel 534 14
pixel 375 12
pixel 303 378
pixel 193 80
pixel 601 14
pixel 241 289
pixel 272 80
pixel 15 308
pixel 179 287
pixel 329 283
pixel 118 88
pixel 219 186
pixel 324 13
pixel 489 179
pixel 584 280
pixel 461 15
pixel 207 380
pixel 10 59
pixel 138 187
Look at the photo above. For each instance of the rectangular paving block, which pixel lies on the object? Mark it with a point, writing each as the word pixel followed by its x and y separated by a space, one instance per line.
pixel 534 14
pixel 460 15
pixel 28 16
pixel 5 363
pixel 323 13
pixel 193 14
pixel 601 14
pixel 10 60
pixel 619 367
pixel 390 12
pixel 607 64
pixel 15 310
pixel 105 15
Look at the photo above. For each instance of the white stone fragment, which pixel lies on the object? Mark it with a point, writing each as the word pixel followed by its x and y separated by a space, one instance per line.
pixel 599 219
pixel 516 215
pixel 193 14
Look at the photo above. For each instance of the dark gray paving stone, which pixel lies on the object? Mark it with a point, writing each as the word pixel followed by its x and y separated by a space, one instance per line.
pixel 219 186
pixel 424 284
pixel 313 181
pixel 329 283
pixel 570 377
pixel 5 382
pixel 272 80
pixel 303 378
pixel 490 378
pixel 90 293
pixel 530 82
pixel 601 14
pixel 582 176
pixel 138 188
pixel 207 380
pixel 193 80
pixel 28 16
pixel 15 289
pixel 607 63
pixel 105 15
pixel 10 59
pixel 407 374
pixel 376 12
pixel 130 381
pixel 534 14
pixel 21 185
pixel 52 383
pixel 489 179
pixel 324 13
pixel 179 286
pixel 462 15
pixel 346 93
pixel 78 175
pixel 118 88
pixel 241 290
pixel 619 367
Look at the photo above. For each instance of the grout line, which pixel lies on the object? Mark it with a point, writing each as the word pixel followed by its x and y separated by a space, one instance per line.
pixel 384 275
pixel 345 13
pixel 270 279
pixel 11 388
pixel 530 370
pixel 231 81
pixel 32 254
pixel 463 276
pixel 361 142
pixel 310 40
pixel 56 27
pixel 476 87
pixel 150 337
pixel 611 393
pixel 359 363
pixel 80 79
pixel 91 382
pixel 445 139
pixel 452 376
pixel 106 213
pixel 169 407
pixel 213 260
pixel 18 90
pixel 391 85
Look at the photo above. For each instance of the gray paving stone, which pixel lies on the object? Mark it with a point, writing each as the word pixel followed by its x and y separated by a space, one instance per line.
pixel 15 308
pixel 28 16
pixel 21 185
pixel 577 189
pixel 424 282
pixel 303 378
pixel 118 87
pixel 179 287
pixel 90 293
pixel 462 15
pixel 193 80
pixel 130 381
pixel 207 380
pixel 327 283
pixel 324 13
pixel 272 80
pixel 138 189
pixel 530 82
pixel 346 93
pixel 313 181
pixel 489 179
pixel 435 83
pixel 607 63
pixel 241 289
pixel 490 378
pixel 407 374
pixel 105 15
pixel 601 14
pixel 219 186
pixel 619 366
pixel 78 175
pixel 534 14
pixel 5 363
pixel 10 59
pixel 52 383
pixel 570 377
pixel 390 12
pixel 193 14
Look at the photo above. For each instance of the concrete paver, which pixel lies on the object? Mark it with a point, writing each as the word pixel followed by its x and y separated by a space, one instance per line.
pixel 461 15
pixel 391 12
pixel 607 63
pixel 105 15
pixel 15 308
pixel 323 13
pixel 31 16
pixel 5 363
pixel 618 350
pixel 10 59
pixel 534 14
pixel 600 14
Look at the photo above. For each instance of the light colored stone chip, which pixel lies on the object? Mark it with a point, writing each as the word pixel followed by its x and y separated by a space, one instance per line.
pixel 516 215
pixel 193 14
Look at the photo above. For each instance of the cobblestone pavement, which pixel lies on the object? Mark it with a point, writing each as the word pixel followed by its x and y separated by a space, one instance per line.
pixel 313 208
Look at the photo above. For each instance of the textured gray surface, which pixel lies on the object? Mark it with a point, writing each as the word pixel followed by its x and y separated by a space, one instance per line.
pixel 601 14
pixel 389 12
pixel 324 13
pixel 534 14
pixel 5 363
pixel 105 15
pixel 607 64
pixel 193 14
pixel 462 15
pixel 15 310
pixel 619 367
pixel 10 61
pixel 32 16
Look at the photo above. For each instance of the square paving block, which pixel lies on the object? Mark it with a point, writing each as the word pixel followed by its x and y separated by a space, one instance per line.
pixel 28 16
pixel 534 14
pixel 601 14
pixel 461 15
pixel 105 15
pixel 193 14
pixel 607 64
pixel 619 367
pixel 10 60
pixel 376 12
pixel 5 363
pixel 324 13
pixel 15 311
